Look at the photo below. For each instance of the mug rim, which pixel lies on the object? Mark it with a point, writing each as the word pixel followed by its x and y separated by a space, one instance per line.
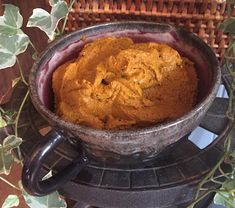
pixel 51 116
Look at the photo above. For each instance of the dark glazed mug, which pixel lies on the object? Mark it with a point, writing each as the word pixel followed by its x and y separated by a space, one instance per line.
pixel 114 146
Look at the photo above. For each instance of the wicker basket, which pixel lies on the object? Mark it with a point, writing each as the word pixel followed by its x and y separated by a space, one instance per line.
pixel 199 16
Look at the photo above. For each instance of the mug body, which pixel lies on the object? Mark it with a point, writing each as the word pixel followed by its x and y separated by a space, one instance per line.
pixel 133 145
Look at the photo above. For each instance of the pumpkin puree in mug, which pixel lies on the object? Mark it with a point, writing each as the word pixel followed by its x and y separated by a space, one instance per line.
pixel 118 84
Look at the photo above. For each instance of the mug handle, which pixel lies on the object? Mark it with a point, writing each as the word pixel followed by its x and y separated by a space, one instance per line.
pixel 33 164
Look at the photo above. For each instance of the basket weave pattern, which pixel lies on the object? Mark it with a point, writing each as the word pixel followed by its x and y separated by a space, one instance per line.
pixel 201 17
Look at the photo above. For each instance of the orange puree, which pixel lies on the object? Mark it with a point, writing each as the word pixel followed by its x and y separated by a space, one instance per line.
pixel 118 84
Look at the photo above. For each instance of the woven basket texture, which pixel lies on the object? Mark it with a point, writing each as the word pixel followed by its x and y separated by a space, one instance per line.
pixel 201 17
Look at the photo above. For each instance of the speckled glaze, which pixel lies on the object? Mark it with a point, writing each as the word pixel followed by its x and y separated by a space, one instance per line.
pixel 136 144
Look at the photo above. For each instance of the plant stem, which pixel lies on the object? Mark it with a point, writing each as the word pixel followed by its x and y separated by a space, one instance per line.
pixel 227 61
pixel 10 184
pixel 19 112
pixel 230 107
pixel 208 192
pixel 200 198
pixel 215 181
pixel 225 175
pixel 204 189
pixel 2 110
pixel 57 31
pixel 21 72
pixel 66 17
pixel 17 121
pixel 208 176
pixel 35 50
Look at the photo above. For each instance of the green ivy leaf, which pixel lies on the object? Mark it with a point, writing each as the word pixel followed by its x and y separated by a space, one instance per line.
pixel 53 2
pixel 11 201
pixel 59 11
pixel 6 160
pixel 52 200
pixel 9 113
pixel 12 40
pixel 6 156
pixel 8 117
pixel 11 142
pixel 14 44
pixel 10 47
pixel 11 21
pixel 48 22
pixel 226 199
pixel 6 59
pixel 3 123
pixel 229 184
pixel 232 154
pixel 228 25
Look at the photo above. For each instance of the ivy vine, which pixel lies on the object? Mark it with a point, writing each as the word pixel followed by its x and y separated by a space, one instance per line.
pixel 13 41
pixel 225 194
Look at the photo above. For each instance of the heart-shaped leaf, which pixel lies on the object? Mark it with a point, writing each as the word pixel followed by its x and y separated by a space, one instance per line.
pixel 6 160
pixel 53 2
pixel 3 123
pixel 229 184
pixel 6 156
pixel 6 59
pixel 14 44
pixel 59 11
pixel 41 19
pixel 11 21
pixel 11 142
pixel 48 22
pixel 226 199
pixel 52 200
pixel 11 201
pixel 10 47
pixel 228 25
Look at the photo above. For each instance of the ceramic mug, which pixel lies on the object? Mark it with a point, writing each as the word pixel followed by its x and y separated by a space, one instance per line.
pixel 114 146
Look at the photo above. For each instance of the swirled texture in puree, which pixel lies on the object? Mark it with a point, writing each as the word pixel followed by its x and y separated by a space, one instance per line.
pixel 118 84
